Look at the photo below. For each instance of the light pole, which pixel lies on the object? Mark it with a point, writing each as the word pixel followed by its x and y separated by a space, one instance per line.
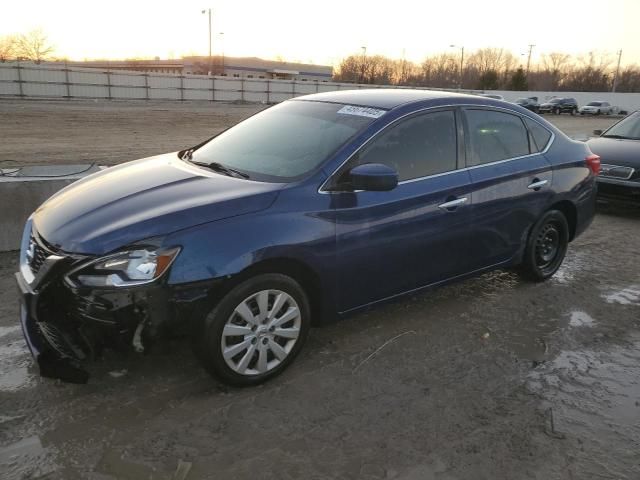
pixel 615 79
pixel 222 49
pixel 461 63
pixel 210 44
pixel 364 56
pixel 529 59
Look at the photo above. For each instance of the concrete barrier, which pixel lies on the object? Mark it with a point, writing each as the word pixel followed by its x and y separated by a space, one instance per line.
pixel 23 189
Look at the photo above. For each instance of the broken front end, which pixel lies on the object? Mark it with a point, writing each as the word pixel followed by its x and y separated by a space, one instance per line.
pixel 73 306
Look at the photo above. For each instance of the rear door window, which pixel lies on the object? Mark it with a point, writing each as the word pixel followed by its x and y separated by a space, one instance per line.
pixel 495 136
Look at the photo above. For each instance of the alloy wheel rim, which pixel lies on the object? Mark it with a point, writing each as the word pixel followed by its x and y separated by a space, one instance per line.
pixel 261 332
pixel 547 245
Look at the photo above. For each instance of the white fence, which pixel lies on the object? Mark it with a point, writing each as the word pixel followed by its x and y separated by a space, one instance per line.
pixel 46 81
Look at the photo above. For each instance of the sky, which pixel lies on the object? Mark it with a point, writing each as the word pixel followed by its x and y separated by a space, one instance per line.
pixel 325 31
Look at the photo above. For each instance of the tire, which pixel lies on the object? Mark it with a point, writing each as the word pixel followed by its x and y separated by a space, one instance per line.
pixel 598 112
pixel 260 353
pixel 546 247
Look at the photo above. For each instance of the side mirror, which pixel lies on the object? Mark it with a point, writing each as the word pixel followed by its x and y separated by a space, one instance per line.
pixel 597 133
pixel 373 177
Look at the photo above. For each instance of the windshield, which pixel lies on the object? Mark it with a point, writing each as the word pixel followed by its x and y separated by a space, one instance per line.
pixel 594 104
pixel 556 100
pixel 287 141
pixel 522 101
pixel 627 128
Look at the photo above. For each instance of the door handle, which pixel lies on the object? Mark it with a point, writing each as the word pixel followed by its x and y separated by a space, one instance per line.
pixel 451 205
pixel 537 184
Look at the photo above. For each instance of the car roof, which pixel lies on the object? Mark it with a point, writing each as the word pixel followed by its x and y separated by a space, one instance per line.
pixel 385 98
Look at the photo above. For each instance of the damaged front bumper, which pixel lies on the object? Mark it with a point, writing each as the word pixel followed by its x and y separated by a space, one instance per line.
pixel 64 326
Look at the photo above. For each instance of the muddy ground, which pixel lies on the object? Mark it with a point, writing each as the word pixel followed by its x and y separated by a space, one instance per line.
pixel 491 378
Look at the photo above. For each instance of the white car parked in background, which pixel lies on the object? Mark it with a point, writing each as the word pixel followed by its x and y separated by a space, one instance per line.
pixel 596 108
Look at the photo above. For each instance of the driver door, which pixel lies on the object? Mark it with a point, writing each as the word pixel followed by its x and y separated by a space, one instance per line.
pixel 417 234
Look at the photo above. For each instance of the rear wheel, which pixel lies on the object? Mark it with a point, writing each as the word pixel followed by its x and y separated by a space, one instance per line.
pixel 546 247
pixel 255 331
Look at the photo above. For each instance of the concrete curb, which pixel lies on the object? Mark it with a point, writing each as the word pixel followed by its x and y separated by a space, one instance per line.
pixel 24 189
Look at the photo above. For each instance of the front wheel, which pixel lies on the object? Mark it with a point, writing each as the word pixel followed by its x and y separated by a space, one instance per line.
pixel 546 247
pixel 255 331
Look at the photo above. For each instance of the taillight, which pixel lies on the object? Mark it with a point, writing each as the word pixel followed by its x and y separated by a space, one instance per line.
pixel 593 162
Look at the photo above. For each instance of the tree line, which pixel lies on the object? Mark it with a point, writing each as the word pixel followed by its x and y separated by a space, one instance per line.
pixel 493 69
pixel 483 69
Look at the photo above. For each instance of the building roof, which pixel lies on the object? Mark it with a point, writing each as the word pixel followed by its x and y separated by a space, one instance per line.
pixel 386 98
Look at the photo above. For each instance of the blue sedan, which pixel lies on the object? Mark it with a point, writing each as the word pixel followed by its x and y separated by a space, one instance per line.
pixel 313 209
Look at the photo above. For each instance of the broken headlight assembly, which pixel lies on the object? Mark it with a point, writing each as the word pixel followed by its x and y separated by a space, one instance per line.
pixel 124 269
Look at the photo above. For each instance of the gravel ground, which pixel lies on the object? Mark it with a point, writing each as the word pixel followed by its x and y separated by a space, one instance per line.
pixel 491 378
pixel 41 132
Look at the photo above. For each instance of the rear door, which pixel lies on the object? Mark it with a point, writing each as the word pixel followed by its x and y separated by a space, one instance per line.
pixel 510 180
pixel 417 234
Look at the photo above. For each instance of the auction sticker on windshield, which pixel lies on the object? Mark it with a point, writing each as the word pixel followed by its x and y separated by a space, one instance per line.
pixel 362 111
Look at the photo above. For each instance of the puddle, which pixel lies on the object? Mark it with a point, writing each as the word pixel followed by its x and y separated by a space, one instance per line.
pixel 595 397
pixel 15 365
pixel 573 264
pixel 581 319
pixel 626 296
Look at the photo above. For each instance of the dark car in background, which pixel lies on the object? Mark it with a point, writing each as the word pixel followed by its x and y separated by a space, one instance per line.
pixel 530 103
pixel 619 149
pixel 559 105
pixel 313 209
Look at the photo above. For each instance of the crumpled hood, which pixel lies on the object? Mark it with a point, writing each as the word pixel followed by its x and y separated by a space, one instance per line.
pixel 616 151
pixel 143 199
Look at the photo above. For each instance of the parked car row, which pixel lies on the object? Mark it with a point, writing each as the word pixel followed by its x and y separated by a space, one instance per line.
pixel 560 105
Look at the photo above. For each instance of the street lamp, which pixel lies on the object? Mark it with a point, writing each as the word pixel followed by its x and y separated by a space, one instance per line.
pixel 364 56
pixel 461 63
pixel 210 44
pixel 615 79
pixel 222 49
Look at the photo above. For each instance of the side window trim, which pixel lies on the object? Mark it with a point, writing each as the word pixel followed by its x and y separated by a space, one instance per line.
pixel 329 184
pixel 549 141
pixel 462 141
pixel 467 141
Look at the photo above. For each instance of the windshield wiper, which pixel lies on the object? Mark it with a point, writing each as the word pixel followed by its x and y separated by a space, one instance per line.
pixel 220 168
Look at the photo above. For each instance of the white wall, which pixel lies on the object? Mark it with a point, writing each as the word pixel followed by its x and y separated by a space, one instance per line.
pixel 29 80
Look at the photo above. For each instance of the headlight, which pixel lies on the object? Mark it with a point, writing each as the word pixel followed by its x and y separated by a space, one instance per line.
pixel 125 269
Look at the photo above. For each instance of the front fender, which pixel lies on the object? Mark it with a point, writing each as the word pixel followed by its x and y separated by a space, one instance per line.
pixel 224 248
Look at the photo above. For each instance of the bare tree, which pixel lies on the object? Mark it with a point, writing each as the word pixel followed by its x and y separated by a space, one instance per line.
pixel 8 48
pixel 34 46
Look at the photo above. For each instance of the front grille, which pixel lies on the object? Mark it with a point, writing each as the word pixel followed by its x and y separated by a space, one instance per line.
pixel 616 171
pixel 59 341
pixel 37 253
